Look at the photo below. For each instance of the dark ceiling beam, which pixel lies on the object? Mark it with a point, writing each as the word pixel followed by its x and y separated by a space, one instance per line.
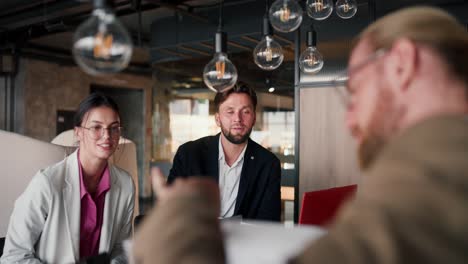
pixel 206 45
pixel 139 69
pixel 129 10
pixel 251 39
pixel 48 49
pixel 64 57
pixel 182 11
pixel 124 9
pixel 55 10
pixel 48 58
pixel 26 5
pixel 289 42
pixel 20 37
pixel 200 52
pixel 239 46
pixel 67 22
pixel 170 52
pixel 69 13
pixel 168 32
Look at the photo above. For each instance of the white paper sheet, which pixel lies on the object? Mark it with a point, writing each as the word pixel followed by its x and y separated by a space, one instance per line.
pixel 265 243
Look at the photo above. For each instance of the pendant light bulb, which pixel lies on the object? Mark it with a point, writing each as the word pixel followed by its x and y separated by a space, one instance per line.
pixel 285 15
pixel 220 74
pixel 311 61
pixel 101 44
pixel 346 8
pixel 268 54
pixel 319 9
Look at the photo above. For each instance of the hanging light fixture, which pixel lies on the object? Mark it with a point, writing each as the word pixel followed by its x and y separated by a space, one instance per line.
pixel 311 61
pixel 285 15
pixel 101 44
pixel 268 54
pixel 346 8
pixel 319 9
pixel 220 74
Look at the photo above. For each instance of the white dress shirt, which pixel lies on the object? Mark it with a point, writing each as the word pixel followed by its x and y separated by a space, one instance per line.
pixel 229 178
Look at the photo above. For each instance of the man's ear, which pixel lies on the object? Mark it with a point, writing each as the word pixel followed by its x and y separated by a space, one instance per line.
pixel 403 62
pixel 218 123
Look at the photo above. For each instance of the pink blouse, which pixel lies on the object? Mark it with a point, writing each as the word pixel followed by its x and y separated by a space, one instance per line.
pixel 92 212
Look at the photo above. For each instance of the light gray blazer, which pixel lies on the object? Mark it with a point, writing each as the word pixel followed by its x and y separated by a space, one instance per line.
pixel 45 223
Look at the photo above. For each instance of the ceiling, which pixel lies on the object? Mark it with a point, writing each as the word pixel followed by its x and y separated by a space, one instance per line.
pixel 176 36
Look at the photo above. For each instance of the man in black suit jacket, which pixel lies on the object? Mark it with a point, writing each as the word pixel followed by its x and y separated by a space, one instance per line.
pixel 251 175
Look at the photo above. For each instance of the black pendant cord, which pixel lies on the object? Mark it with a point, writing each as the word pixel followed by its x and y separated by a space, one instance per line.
pixel 266 27
pixel 98 4
pixel 311 37
pixel 140 24
pixel 136 5
pixel 220 36
pixel 220 23
pixel 314 36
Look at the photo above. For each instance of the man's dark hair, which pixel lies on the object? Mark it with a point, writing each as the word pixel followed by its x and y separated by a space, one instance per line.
pixel 240 88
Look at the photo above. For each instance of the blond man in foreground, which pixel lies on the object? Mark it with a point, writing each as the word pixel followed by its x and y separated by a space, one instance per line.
pixel 408 111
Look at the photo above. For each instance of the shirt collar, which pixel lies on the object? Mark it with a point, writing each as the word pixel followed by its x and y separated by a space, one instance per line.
pixel 221 153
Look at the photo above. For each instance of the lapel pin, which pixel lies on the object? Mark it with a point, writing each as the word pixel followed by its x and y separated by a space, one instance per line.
pixel 252 157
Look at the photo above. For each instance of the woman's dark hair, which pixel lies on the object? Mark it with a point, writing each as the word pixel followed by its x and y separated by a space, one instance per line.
pixel 92 101
pixel 240 88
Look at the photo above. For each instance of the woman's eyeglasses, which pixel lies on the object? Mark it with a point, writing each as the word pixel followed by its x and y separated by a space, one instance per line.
pixel 98 131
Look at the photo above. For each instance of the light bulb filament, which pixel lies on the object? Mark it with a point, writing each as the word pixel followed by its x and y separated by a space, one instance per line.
pixel 220 68
pixel 346 7
pixel 269 54
pixel 318 5
pixel 102 45
pixel 285 13
pixel 310 60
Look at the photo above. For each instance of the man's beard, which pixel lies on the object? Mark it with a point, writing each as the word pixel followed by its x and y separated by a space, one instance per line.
pixel 369 150
pixel 378 132
pixel 236 139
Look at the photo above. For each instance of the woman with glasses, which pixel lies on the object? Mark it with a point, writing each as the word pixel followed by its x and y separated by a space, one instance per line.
pixel 81 206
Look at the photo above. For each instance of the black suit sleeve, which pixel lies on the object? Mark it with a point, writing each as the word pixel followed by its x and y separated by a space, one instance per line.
pixel 270 207
pixel 178 166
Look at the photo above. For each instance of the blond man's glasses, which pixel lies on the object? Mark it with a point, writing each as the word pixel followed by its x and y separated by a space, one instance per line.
pixel 340 83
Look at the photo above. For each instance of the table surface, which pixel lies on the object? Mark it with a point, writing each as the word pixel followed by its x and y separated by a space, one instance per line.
pixel 260 242
pixel 264 242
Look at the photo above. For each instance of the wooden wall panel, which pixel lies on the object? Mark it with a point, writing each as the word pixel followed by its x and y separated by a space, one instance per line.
pixel 327 151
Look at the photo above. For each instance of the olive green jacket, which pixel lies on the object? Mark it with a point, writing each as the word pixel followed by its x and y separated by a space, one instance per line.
pixel 412 206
